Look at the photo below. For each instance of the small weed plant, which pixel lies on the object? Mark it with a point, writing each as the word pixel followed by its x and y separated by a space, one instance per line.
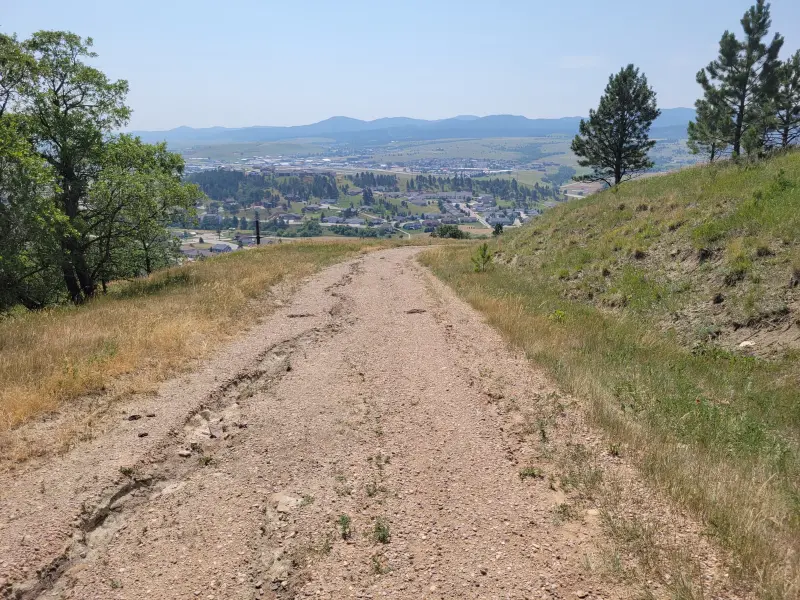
pixel 345 527
pixel 381 531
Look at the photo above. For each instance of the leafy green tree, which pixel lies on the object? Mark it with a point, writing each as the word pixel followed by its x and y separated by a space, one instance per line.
pixel 28 222
pixel 72 108
pixel 137 189
pixel 28 217
pixel 787 101
pixel 614 141
pixel 710 133
pixel 498 230
pixel 449 231
pixel 744 75
pixel 78 205
pixel 310 228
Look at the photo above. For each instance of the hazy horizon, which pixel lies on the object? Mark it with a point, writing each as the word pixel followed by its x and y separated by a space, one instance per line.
pixel 384 117
pixel 283 64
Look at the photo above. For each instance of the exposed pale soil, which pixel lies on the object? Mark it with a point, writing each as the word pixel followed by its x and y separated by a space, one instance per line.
pixel 372 393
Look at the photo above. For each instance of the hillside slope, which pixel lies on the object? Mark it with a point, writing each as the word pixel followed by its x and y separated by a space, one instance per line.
pixel 709 253
pixel 670 306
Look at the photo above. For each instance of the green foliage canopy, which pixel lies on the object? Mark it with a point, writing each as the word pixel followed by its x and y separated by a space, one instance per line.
pixel 615 141
pixel 79 204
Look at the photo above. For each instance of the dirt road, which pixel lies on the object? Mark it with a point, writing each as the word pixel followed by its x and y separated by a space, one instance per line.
pixel 364 441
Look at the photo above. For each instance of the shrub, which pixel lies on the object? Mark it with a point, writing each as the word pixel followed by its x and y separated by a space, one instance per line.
pixel 450 231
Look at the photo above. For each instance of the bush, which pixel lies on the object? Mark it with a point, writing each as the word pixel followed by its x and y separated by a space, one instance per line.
pixel 450 231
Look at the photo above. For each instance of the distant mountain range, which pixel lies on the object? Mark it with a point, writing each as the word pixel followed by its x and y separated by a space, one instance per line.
pixel 671 124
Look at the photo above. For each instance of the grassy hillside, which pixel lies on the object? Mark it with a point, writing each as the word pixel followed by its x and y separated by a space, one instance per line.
pixel 672 305
pixel 710 253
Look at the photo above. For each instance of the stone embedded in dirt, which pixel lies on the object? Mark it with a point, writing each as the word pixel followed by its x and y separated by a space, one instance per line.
pixel 184 453
pixel 134 417
pixel 285 503
pixel 143 434
pixel 747 344
pixel 150 415
pixel 415 311
pixel 215 430
pixel 581 594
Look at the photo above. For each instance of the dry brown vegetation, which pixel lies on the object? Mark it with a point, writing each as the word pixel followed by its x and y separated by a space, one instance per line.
pixel 142 331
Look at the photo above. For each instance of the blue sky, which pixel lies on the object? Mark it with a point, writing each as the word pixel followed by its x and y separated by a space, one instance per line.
pixel 248 62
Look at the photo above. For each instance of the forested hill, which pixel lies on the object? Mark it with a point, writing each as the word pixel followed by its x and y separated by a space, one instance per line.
pixel 671 124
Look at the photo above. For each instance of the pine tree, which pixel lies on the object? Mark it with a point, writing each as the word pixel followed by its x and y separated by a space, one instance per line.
pixel 712 130
pixel 368 197
pixel 744 77
pixel 614 141
pixel 787 102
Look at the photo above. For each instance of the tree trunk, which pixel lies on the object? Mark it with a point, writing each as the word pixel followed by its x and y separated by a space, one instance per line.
pixel 70 280
pixel 147 266
pixel 737 134
pixel 88 284
pixel 785 137
pixel 77 276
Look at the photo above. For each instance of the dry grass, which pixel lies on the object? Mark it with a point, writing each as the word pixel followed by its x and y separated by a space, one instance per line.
pixel 142 331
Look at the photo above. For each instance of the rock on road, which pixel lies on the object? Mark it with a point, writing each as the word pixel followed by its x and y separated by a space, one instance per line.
pixel 362 441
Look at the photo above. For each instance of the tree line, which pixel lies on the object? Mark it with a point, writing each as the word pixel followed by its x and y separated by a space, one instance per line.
pixel 503 189
pixel 371 180
pixel 750 104
pixel 751 99
pixel 80 204
pixel 247 189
